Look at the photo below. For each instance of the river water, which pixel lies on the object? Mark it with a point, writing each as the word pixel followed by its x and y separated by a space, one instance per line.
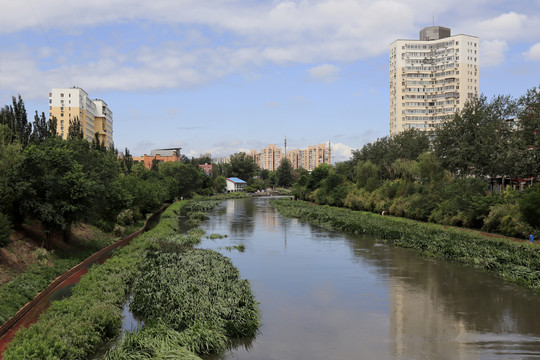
pixel 332 296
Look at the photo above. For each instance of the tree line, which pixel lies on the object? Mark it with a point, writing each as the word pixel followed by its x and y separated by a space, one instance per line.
pixel 470 172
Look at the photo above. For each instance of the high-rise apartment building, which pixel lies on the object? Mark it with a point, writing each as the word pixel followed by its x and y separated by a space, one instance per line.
pixel 94 115
pixel 270 158
pixel 314 156
pixel 431 78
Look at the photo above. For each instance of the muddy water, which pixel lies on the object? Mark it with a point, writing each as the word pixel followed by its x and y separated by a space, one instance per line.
pixel 326 295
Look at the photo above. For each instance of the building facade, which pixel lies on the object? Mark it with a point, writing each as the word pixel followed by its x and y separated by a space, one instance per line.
pixel 159 155
pixel 96 118
pixel 431 78
pixel 235 184
pixel 270 158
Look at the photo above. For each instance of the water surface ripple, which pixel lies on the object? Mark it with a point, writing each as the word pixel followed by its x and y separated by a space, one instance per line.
pixel 326 295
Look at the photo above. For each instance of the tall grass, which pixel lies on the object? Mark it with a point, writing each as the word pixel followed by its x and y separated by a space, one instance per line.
pixel 513 261
pixel 192 300
pixel 199 293
pixel 23 288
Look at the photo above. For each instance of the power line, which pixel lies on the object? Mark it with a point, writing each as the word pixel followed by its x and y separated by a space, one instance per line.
pixel 58 60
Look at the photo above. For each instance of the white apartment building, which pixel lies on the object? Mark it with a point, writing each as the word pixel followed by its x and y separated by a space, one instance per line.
pixel 431 78
pixel 96 118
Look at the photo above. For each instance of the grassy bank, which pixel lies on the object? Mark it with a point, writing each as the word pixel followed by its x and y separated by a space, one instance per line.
pixel 75 327
pixel 518 262
pixel 46 267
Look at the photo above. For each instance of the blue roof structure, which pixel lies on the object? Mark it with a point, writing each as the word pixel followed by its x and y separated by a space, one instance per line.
pixel 236 180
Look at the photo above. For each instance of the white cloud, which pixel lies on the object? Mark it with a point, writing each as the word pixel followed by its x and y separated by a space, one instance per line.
pixel 340 152
pixel 509 26
pixel 325 72
pixel 492 52
pixel 250 35
pixel 534 53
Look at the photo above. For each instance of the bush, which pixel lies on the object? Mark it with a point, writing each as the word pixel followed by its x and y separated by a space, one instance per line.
pixel 5 230
pixel 529 205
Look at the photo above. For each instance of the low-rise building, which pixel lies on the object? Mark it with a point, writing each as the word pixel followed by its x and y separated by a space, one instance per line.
pixel 235 184
pixel 159 155
pixel 207 168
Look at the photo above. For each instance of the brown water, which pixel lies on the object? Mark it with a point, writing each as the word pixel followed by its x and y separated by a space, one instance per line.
pixel 327 295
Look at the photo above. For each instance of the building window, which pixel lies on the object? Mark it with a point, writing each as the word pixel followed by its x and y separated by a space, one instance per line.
pixel 61 95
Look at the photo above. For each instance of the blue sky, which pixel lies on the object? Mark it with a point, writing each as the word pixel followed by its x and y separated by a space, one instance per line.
pixel 223 76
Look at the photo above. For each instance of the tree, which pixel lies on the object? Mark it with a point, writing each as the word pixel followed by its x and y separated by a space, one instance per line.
pixel 182 179
pixel 367 175
pixel 55 189
pixel 23 128
pixel 529 205
pixel 75 129
pixel 127 161
pixel 477 140
pixel 220 184
pixel 242 166
pixel 41 129
pixel 284 173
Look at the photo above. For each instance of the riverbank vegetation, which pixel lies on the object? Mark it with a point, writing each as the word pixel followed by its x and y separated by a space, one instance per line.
pixel 477 172
pixel 518 262
pixel 74 328
pixel 59 182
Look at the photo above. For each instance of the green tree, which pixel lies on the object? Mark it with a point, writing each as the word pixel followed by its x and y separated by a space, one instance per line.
pixel 55 189
pixel 284 173
pixel 367 175
pixel 242 166
pixel 41 129
pixel 182 179
pixel 220 184
pixel 75 130
pixel 529 205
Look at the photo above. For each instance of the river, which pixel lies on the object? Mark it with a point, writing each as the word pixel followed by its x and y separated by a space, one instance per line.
pixel 332 296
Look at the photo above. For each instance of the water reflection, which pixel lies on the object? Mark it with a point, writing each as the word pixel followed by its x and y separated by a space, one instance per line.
pixel 326 295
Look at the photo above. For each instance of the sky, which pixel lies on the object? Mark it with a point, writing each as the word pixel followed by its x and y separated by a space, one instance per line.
pixel 224 76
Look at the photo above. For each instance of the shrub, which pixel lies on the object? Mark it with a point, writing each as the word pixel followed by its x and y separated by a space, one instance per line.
pixel 529 205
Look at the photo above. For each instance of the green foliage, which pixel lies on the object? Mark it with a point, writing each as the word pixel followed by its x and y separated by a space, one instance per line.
pixel 182 179
pixel 196 287
pixel 5 230
pixel 284 173
pixel 155 341
pixel 507 220
pixel 74 327
pixel 25 286
pixel 367 175
pixel 515 262
pixel 529 205
pixel 220 184
pixel 242 166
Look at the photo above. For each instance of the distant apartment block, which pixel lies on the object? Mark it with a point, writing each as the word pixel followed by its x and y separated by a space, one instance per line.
pixel 431 78
pixel 159 155
pixel 96 118
pixel 269 158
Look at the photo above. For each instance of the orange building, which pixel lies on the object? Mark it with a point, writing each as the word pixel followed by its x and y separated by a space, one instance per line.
pixel 161 155
pixel 207 168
